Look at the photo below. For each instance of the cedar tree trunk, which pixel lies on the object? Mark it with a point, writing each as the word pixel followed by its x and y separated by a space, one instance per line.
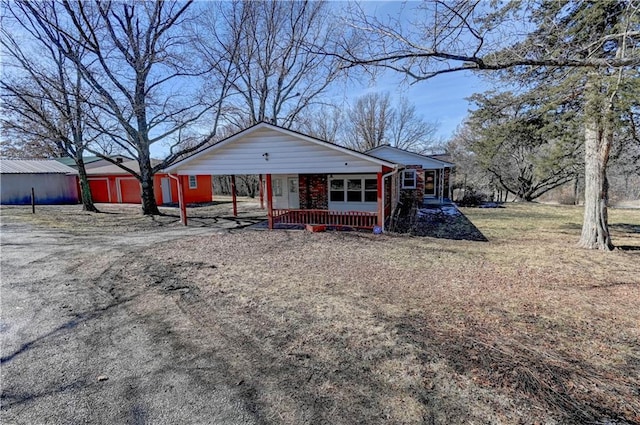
pixel 598 139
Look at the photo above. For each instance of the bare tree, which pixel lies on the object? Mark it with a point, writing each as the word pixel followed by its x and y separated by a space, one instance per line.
pixel 374 121
pixel 45 105
pixel 137 63
pixel 326 123
pixel 369 121
pixel 262 49
pixel 600 38
pixel 409 131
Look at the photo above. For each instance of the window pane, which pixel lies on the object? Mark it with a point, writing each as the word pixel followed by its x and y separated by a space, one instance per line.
pixel 277 187
pixel 409 179
pixel 371 196
pixel 353 184
pixel 371 184
pixel 337 196
pixel 293 186
pixel 353 196
pixel 337 184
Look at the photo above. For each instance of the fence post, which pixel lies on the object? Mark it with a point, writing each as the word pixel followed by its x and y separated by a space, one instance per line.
pixel 33 201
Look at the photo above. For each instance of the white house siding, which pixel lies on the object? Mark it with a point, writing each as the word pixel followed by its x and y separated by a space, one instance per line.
pixel 49 189
pixel 287 154
pixel 407 158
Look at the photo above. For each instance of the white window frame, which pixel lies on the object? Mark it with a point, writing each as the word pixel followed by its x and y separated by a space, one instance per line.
pixel 345 189
pixel 193 182
pixel 414 178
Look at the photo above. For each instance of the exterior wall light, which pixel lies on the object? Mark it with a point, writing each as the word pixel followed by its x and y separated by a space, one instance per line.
pixel 266 156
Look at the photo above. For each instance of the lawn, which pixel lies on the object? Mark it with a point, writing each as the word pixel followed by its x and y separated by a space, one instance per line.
pixel 349 327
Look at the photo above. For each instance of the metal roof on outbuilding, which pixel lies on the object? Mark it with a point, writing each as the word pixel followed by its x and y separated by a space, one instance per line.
pixel 34 166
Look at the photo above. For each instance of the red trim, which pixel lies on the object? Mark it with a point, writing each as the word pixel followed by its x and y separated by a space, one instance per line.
pixel 357 219
pixel 233 196
pixel 261 192
pixel 380 202
pixel 269 202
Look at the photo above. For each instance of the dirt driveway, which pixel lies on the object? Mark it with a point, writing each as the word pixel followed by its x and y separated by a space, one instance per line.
pixel 84 341
pixel 121 318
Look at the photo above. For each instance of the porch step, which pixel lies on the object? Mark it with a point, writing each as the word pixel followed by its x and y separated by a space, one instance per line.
pixel 314 228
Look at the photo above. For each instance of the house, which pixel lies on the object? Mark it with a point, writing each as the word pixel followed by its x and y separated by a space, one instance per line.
pixel 51 181
pixel 306 180
pixel 112 184
pixel 426 178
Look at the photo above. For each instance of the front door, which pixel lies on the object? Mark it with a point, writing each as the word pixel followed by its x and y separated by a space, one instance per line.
pixel 293 193
pixel 165 183
pixel 430 183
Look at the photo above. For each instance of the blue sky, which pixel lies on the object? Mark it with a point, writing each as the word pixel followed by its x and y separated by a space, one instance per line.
pixel 441 99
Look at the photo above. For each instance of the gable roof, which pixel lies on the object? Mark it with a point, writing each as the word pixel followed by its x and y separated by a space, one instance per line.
pixel 34 166
pixel 405 157
pixel 266 148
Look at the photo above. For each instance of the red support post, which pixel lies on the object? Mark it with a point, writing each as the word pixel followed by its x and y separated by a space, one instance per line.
pixel 269 202
pixel 183 206
pixel 380 202
pixel 261 192
pixel 233 196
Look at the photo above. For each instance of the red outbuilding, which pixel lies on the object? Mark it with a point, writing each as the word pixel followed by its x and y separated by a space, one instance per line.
pixel 112 184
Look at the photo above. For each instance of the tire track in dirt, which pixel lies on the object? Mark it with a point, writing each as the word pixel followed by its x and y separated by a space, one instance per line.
pixel 106 345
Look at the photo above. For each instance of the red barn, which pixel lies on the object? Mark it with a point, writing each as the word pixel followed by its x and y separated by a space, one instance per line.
pixel 112 184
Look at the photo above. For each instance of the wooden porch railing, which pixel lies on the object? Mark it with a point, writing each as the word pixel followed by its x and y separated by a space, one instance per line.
pixel 359 219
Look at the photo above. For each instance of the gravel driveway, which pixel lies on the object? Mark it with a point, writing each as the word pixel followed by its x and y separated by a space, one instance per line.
pixel 81 343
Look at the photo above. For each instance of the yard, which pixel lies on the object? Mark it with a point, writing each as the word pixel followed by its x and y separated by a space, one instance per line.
pixel 122 318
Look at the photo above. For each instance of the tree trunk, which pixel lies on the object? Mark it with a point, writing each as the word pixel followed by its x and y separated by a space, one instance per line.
pixel 595 229
pixel 149 206
pixel 85 190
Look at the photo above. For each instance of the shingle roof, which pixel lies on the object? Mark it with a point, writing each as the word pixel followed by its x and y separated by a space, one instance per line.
pixel 114 169
pixel 34 166
pixel 72 163
pixel 87 159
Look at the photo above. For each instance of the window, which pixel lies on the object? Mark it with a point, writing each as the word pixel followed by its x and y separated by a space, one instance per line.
pixel 371 190
pixel 277 187
pixel 409 179
pixel 193 182
pixel 336 190
pixel 353 189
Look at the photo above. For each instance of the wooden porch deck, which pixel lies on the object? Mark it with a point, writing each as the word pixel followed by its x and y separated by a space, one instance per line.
pixel 356 219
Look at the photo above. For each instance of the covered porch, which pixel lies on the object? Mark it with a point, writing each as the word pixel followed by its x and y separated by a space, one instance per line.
pixel 303 181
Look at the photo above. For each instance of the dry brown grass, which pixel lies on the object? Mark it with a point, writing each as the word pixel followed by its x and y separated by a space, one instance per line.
pixel 345 328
